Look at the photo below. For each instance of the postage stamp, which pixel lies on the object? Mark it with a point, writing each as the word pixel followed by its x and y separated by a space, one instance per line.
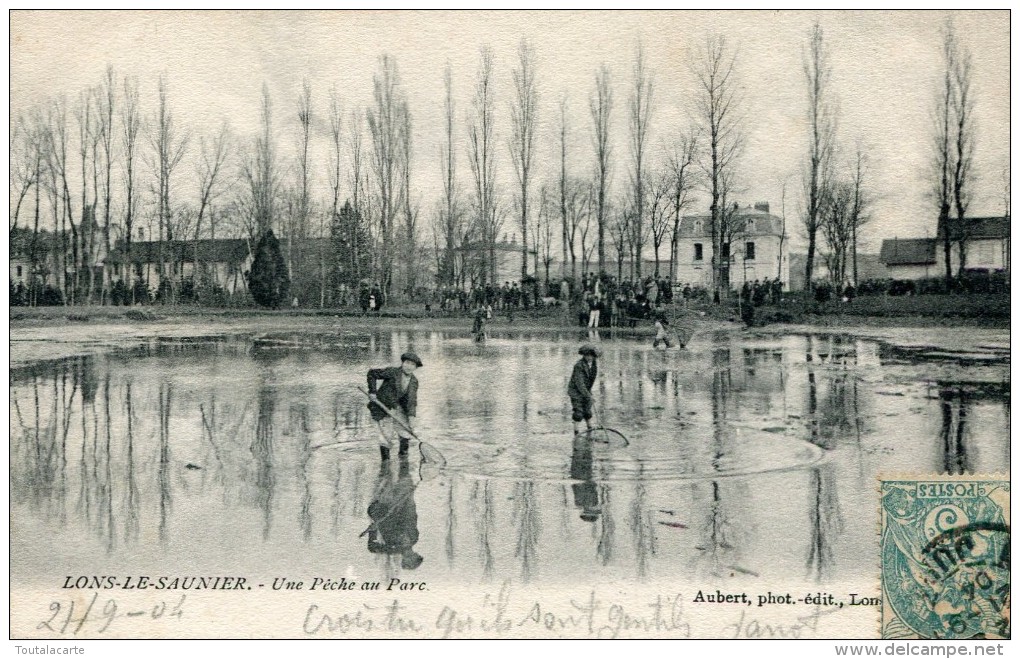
pixel 945 558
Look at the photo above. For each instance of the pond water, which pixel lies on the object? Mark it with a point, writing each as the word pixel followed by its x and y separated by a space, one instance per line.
pixel 746 457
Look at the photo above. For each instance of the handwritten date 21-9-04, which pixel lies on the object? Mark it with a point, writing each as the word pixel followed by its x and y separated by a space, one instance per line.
pixel 92 616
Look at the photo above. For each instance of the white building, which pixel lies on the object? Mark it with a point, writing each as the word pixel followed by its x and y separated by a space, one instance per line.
pixel 753 248
pixel 224 261
pixel 987 249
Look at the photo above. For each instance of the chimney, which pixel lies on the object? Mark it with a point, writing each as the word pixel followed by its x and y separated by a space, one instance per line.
pixel 762 206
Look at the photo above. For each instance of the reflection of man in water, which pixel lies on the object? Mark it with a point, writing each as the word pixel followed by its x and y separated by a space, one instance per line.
pixel 586 497
pixel 394 529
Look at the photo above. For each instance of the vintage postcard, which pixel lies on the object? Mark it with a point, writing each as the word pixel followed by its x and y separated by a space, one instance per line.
pixel 509 324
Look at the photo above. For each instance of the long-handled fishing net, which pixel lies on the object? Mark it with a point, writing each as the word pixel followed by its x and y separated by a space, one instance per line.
pixel 429 453
pixel 604 434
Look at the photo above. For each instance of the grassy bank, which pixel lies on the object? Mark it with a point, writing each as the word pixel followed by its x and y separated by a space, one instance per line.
pixel 971 310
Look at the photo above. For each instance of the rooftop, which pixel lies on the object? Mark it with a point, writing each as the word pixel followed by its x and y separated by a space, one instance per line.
pixel 908 251
pixel 746 221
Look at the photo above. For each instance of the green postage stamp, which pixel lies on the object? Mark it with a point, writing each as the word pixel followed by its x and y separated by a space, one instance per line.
pixel 945 557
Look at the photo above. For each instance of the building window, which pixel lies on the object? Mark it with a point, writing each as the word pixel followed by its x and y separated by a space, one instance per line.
pixel 138 269
pixel 698 254
pixel 116 269
pixel 725 251
pixel 697 227
pixel 750 226
pixel 749 251
pixel 19 270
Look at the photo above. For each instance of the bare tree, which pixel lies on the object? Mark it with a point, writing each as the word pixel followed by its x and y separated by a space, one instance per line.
pixel 821 118
pixel 563 183
pixel 619 230
pixel 836 223
pixel 483 166
pixel 681 172
pixel 305 117
pixel 782 233
pixel 23 172
pixel 336 121
pixel 942 162
pixel 523 116
pixel 732 224
pixel 577 210
pixel 585 224
pixel 451 215
pixel 964 138
pixel 718 106
pixel 357 174
pixel 210 172
pixel 169 149
pixel 58 140
pixel 659 195
pixel 410 208
pixel 601 106
pixel 105 102
pixel 131 125
pixel 29 157
pixel 56 137
pixel 544 232
pixel 385 122
pixel 640 118
pixel 861 200
pixel 260 170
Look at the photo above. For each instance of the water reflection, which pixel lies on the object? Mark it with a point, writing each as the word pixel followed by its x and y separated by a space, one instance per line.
pixel 586 495
pixel 746 456
pixel 394 529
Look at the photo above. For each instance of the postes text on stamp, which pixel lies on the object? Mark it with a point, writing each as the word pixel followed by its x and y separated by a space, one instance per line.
pixel 945 557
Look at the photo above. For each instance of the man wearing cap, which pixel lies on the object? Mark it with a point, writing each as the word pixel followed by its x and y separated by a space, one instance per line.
pixel 399 394
pixel 579 389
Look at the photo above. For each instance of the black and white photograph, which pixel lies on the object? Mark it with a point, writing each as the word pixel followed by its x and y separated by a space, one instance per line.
pixel 509 325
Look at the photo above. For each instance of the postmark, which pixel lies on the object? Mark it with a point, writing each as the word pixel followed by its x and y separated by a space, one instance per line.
pixel 945 565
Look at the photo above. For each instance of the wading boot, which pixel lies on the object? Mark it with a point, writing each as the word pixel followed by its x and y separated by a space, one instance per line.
pixel 384 451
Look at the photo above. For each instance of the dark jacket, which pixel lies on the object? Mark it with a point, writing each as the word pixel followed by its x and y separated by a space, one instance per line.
pixel 582 379
pixel 390 394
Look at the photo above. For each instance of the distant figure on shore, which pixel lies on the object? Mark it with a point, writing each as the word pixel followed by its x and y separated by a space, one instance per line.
pixel 579 390
pixel 478 329
pixel 662 334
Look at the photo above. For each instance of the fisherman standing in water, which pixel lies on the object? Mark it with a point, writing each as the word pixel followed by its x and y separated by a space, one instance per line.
pixel 399 393
pixel 579 389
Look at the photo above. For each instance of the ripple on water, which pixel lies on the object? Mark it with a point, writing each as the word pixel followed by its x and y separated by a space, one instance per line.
pixel 651 455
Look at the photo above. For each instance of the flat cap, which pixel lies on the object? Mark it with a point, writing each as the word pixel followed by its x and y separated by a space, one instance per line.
pixel 589 349
pixel 411 357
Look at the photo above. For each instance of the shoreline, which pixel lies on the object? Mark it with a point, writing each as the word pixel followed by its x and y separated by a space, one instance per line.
pixel 59 332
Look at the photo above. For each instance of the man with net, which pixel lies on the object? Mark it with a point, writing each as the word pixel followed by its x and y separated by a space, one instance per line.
pixel 398 393
pixel 579 390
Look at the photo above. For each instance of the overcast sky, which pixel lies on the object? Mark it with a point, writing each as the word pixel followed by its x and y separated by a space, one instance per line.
pixel 884 74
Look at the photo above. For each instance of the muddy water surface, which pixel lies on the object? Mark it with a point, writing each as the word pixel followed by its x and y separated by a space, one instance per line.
pixel 741 457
